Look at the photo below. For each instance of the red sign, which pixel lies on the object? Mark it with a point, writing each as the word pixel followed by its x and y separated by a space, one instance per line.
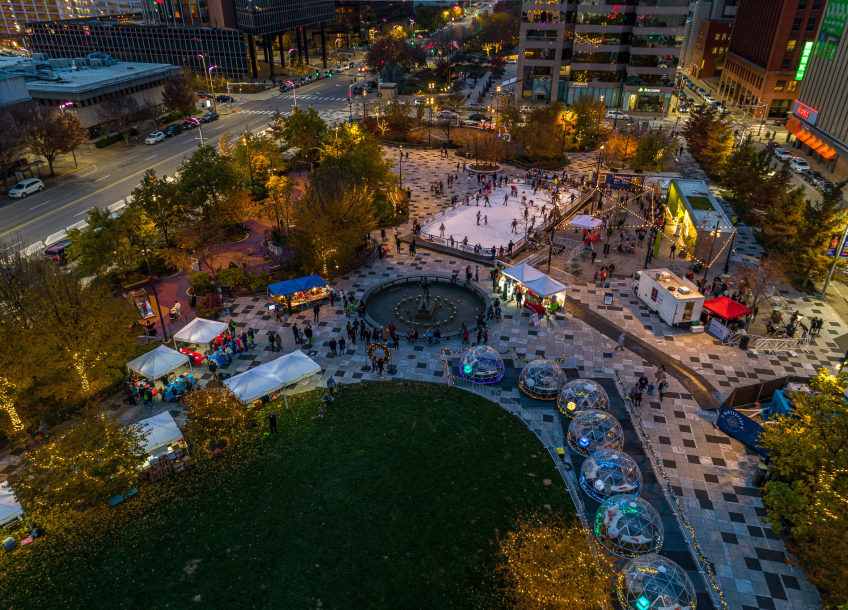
pixel 803 112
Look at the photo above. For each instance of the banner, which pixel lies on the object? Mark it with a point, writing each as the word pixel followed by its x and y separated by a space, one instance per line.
pixel 618 181
pixel 740 427
pixel 834 244
pixel 833 24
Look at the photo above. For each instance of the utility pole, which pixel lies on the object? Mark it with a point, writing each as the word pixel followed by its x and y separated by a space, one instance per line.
pixel 553 234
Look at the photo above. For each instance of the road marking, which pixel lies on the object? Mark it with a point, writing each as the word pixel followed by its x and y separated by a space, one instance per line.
pixel 12 246
pixel 150 157
pixel 41 204
pixel 83 212
pixel 108 186
pixel 89 173
pixel 103 178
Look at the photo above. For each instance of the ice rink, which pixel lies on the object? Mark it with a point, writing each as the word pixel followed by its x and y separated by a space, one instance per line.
pixel 495 225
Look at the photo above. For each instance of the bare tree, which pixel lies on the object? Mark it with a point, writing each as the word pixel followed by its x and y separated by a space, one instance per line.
pixel 124 111
pixel 446 125
pixel 12 144
pixel 756 282
pixel 178 95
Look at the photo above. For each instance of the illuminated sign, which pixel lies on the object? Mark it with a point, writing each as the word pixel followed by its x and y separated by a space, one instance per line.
pixel 579 84
pixel 646 90
pixel 805 112
pixel 805 57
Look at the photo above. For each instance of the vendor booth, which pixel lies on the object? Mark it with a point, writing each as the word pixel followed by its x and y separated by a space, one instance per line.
pixel 724 312
pixel 199 333
pixel 590 225
pixel 165 445
pixel 291 368
pixel 9 507
pixel 253 384
pixel 156 370
pixel 299 292
pixel 541 293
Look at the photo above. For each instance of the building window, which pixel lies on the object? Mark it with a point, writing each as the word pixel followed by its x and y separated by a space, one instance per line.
pixel 802 4
pixel 784 65
pixel 793 84
pixel 790 46
pixel 780 85
pixel 816 4
pixel 811 24
pixel 715 50
pixel 796 25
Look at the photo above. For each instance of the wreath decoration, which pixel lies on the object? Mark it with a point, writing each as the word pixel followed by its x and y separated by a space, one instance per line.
pixel 374 347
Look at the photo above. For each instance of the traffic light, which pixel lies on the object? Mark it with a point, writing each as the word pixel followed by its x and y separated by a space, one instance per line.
pixel 317 73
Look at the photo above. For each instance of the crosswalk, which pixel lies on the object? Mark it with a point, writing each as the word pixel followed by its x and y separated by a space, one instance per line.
pixel 316 97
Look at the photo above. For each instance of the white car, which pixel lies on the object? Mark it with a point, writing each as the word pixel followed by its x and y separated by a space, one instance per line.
pixel 616 114
pixel 155 138
pixel 447 114
pixel 707 98
pixel 511 61
pixel 796 164
pixel 25 187
pixel 782 154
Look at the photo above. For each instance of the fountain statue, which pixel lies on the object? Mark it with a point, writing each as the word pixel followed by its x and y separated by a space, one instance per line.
pixel 425 305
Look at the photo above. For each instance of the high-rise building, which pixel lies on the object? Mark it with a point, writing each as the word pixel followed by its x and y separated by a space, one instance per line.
pixel 769 39
pixel 270 17
pixel 698 10
pixel 358 21
pixel 15 15
pixel 624 53
pixel 712 42
pixel 819 118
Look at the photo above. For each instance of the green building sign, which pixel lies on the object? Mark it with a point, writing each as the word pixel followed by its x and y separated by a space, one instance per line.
pixel 805 57
pixel 832 27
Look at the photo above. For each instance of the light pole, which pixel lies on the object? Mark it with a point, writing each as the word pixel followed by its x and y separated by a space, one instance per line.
pixel 212 88
pixel 247 150
pixel 430 122
pixel 294 93
pixel 401 167
pixel 555 213
pixel 597 181
pixel 716 233
pixel 153 285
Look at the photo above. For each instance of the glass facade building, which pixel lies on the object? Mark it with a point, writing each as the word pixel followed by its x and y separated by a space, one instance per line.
pixel 15 15
pixel 260 17
pixel 622 52
pixel 357 21
pixel 134 42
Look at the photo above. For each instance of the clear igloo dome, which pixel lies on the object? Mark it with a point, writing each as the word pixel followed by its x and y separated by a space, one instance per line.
pixel 481 364
pixel 628 526
pixel 609 472
pixel 580 395
pixel 541 379
pixel 593 430
pixel 654 583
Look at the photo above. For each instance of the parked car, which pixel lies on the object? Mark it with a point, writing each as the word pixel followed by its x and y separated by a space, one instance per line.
pixel 224 98
pixel 811 176
pixel 26 187
pixel 479 117
pixel 190 123
pixel 56 252
pixel 173 130
pixel 155 138
pixel 511 61
pixel 616 114
pixel 209 117
pixel 683 109
pixel 781 154
pixel 797 164
pixel 447 114
pixel 781 122
pixel 203 95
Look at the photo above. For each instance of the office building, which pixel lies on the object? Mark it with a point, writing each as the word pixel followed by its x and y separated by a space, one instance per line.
pixel 357 22
pixel 710 49
pixel 625 54
pixel 80 85
pixel 769 39
pixel 15 15
pixel 702 9
pixel 819 117
pixel 132 41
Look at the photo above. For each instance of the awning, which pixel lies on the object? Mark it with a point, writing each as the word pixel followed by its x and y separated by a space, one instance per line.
pixel 160 361
pixel 804 135
pixel 297 285
pixel 826 151
pixel 292 367
pixel 253 384
pixel 534 280
pixel 10 509
pixel 813 142
pixel 793 126
pixel 726 308
pixel 200 331
pixel 161 431
pixel 584 221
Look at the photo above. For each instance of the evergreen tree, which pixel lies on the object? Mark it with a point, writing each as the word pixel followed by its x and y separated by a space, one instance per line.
pixel 386 74
pixel 809 241
pixel 397 76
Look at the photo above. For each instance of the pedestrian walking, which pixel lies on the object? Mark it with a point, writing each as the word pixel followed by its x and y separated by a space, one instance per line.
pixel 672 249
pixel 661 388
pixel 660 374
pixel 296 333
pixel 331 386
pixel 621 339
pixel 380 366
pixel 637 400
pixel 272 422
pixel 333 346
pixel 278 341
pixel 307 333
pixel 271 340
pixel 320 412
pixel 315 310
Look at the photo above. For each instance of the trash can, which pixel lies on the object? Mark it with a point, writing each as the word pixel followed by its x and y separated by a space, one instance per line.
pixel 776 314
pixel 743 342
pixel 760 475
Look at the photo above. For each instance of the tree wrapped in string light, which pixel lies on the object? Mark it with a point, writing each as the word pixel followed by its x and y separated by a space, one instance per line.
pixel 609 472
pixel 593 430
pixel 481 364
pixel 581 395
pixel 654 582
pixel 628 526
pixel 542 379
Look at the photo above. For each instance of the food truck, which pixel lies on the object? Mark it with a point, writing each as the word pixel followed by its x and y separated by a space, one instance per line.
pixel 675 299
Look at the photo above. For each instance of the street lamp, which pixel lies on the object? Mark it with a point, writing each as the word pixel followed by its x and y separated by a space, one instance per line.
pixel 401 167
pixel 597 181
pixel 212 88
pixel 249 164
pixel 430 102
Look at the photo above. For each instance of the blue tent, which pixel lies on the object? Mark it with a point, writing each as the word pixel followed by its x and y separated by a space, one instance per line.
pixel 297 285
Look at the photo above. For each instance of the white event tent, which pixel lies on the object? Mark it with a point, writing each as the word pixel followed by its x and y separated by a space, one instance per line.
pixel 160 430
pixel 159 362
pixel 291 368
pixel 546 287
pixel 273 375
pixel 9 507
pixel 584 221
pixel 200 331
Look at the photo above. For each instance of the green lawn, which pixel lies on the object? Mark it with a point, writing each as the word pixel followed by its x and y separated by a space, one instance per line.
pixel 395 499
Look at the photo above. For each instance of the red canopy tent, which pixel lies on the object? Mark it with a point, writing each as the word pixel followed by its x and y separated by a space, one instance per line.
pixel 726 308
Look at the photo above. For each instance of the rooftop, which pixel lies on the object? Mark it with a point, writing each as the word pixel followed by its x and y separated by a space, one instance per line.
pixel 674 282
pixel 704 209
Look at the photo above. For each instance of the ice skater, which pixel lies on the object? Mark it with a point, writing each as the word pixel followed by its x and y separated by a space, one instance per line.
pixel 478 217
pixel 506 199
pixel 442 230
pixel 514 225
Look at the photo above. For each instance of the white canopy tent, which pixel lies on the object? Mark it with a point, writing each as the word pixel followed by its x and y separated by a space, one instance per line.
pixel 546 287
pixel 9 507
pixel 584 221
pixel 291 368
pixel 158 362
pixel 161 431
pixel 253 384
pixel 200 331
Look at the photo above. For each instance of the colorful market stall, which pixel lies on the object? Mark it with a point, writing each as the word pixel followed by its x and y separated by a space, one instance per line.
pixel 198 335
pixel 541 293
pixel 298 292
pixel 167 451
pixel 589 224
pixel 723 311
